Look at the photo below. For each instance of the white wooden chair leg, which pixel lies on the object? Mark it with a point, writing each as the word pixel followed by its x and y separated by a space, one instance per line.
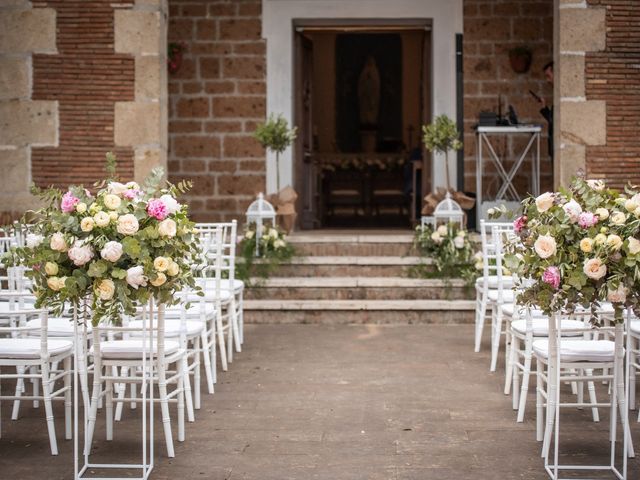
pixel 68 403
pixel 221 342
pixel 181 394
pixel 552 388
pixel 241 317
pixel 46 393
pixel 623 409
pixel 229 338
pixel 539 402
pixel 196 374
pixel 480 318
pixel 580 387
pixel 591 389
pixel 234 323
pixel 122 390
pixel 35 384
pixel 109 409
pixel 495 341
pixel 524 388
pixel 206 357
pixel 166 419
pixel 509 370
pixel 93 409
pixel 186 385
pixel 19 390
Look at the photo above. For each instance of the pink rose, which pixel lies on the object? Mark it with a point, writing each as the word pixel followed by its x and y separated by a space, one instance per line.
pixel 157 209
pixel 552 276
pixel 587 219
pixel 520 223
pixel 131 194
pixel 69 202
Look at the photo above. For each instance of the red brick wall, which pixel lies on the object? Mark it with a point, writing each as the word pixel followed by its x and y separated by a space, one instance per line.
pixel 86 77
pixel 613 76
pixel 491 29
pixel 216 98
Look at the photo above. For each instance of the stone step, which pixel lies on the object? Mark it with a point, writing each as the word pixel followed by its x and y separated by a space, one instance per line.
pixel 348 266
pixel 400 244
pixel 359 311
pixel 358 288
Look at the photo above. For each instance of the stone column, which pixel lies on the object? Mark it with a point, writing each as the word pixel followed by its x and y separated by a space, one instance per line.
pixel 142 124
pixel 578 122
pixel 23 122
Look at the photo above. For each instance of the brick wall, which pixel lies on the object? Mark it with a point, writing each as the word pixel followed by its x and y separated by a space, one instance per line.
pixel 86 77
pixel 613 76
pixel 491 29
pixel 216 98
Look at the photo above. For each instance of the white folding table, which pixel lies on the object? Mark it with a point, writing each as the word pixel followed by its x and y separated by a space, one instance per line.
pixel 483 139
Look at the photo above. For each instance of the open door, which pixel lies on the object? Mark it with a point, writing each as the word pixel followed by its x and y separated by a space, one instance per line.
pixel 306 179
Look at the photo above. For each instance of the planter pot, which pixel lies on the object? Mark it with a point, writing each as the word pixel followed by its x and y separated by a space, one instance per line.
pixel 520 62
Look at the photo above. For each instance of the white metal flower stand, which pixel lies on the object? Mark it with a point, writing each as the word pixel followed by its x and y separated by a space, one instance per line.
pixel 83 467
pixel 619 384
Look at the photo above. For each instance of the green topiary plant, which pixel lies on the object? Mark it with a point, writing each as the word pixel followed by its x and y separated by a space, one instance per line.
pixel 275 135
pixel 441 136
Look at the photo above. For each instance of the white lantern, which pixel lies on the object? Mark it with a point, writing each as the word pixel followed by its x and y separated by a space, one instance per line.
pixel 448 211
pixel 259 212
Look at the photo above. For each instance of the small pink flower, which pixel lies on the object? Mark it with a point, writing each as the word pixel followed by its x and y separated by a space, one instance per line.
pixel 69 202
pixel 552 276
pixel 520 223
pixel 157 209
pixel 587 219
pixel 131 194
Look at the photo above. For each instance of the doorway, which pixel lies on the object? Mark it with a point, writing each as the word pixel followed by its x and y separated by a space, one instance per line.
pixel 362 93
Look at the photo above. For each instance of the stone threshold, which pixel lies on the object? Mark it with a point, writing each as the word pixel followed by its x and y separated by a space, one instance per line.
pixel 371 305
pixel 354 260
pixel 354 282
pixel 350 238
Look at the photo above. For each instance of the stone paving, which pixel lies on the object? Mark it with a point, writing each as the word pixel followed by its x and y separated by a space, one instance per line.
pixel 389 402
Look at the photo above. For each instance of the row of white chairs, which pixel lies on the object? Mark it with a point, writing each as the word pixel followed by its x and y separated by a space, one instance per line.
pixel 38 349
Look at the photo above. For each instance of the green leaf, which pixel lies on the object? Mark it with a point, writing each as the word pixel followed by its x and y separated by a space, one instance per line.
pixel 118 273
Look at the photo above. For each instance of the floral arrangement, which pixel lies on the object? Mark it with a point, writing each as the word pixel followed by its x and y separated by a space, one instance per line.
pixel 359 162
pixel 578 247
pixel 117 248
pixel 273 251
pixel 451 250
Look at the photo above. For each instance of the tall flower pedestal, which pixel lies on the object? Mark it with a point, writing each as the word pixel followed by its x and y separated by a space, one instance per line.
pixel 84 422
pixel 563 366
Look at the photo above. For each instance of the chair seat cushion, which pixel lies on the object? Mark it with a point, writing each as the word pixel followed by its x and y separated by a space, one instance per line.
pixel 210 284
pixel 540 327
pixel 508 296
pixel 56 327
pixel 133 348
pixel 194 311
pixel 171 327
pixel 209 295
pixel 578 350
pixel 237 284
pixel 492 281
pixel 508 309
pixel 25 348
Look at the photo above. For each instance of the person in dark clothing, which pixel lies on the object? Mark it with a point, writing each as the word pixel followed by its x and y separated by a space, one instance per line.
pixel 547 111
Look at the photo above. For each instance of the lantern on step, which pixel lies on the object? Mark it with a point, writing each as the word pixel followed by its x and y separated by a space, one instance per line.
pixel 259 212
pixel 448 211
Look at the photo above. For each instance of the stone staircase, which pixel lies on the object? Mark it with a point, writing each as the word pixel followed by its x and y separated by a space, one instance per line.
pixel 356 278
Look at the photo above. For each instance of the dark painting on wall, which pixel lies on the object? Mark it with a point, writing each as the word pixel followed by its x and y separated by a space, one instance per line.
pixel 368 92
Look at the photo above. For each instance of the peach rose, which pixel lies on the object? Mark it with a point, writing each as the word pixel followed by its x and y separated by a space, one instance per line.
pixel 545 246
pixel 594 268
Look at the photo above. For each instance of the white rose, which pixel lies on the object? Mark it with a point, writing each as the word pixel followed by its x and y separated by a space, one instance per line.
pixel 249 235
pixel 545 246
pixel 273 233
pixel 80 254
pixel 171 203
pixel 279 243
pixel 106 289
pixel 630 205
pixel 128 225
pixel 544 202
pixel 614 242
pixel 112 251
pixel 618 218
pixel 573 210
pixel 58 243
pixel 87 224
pixel 34 240
pixel 173 270
pixel 618 295
pixel 435 236
pixel 442 230
pixel 597 185
pixel 634 246
pixel 594 268
pixel 81 207
pixel 458 242
pixel 112 202
pixel 116 188
pixel 136 277
pixel 102 219
pixel 602 213
pixel 167 228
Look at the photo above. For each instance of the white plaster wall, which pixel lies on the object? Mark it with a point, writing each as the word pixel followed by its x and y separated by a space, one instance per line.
pixel 277 29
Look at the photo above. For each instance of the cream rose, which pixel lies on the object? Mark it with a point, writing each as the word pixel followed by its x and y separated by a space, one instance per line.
pixel 102 219
pixel 630 205
pixel 614 242
pixel 249 235
pixel 56 283
pixel 161 263
pixel 58 242
pixel 81 207
pixel 111 201
pixel 173 270
pixel 113 216
pixel 619 295
pixel 597 185
pixel 435 236
pixel 545 246
pixel 618 218
pixel 116 188
pixel 594 268
pixel 87 224
pixel 171 203
pixel 136 277
pixel 634 246
pixel 34 240
pixel 273 233
pixel 573 210
pixel 112 251
pixel 586 245
pixel 128 224
pixel 105 290
pixel 167 228
pixel 600 239
pixel 458 242
pixel 160 280
pixel 602 213
pixel 442 230
pixel 279 244
pixel 545 201
pixel 80 254
pixel 51 268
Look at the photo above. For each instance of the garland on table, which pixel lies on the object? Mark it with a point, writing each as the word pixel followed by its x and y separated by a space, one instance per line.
pixel 274 250
pixel 119 248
